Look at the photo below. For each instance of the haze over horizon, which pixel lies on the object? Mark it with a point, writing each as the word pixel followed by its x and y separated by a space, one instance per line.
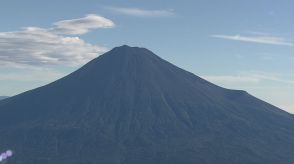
pixel 246 45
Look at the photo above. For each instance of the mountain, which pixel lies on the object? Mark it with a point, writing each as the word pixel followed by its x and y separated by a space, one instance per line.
pixel 3 97
pixel 129 106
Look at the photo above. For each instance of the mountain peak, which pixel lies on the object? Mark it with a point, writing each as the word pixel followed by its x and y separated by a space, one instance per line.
pixel 128 47
pixel 129 50
pixel 125 46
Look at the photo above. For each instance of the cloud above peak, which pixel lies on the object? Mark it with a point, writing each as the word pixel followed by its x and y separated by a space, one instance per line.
pixel 82 25
pixel 142 12
pixel 256 38
pixel 35 46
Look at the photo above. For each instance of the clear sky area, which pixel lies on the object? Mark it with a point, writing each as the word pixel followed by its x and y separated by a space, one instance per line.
pixel 237 44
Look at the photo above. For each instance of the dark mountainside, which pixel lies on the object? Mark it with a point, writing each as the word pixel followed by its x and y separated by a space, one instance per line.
pixel 129 106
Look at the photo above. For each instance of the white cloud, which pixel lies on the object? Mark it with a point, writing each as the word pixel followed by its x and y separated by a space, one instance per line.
pixel 41 75
pixel 231 79
pixel 17 80
pixel 257 38
pixel 82 25
pixel 275 79
pixel 34 46
pixel 35 56
pixel 249 78
pixel 275 88
pixel 142 12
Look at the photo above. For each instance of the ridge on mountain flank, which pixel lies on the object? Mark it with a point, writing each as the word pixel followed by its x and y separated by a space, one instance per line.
pixel 3 97
pixel 129 106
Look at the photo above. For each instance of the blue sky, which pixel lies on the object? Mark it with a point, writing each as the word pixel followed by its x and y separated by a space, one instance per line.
pixel 237 44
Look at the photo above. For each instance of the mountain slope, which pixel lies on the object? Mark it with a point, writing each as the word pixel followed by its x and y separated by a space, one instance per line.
pixel 129 106
pixel 3 97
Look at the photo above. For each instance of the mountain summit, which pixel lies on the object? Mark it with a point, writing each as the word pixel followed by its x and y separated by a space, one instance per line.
pixel 129 106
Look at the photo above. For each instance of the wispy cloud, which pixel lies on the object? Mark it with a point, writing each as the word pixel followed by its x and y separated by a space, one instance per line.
pixel 231 79
pixel 249 77
pixel 256 38
pixel 142 12
pixel 17 80
pixel 272 87
pixel 81 25
pixel 32 75
pixel 34 46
